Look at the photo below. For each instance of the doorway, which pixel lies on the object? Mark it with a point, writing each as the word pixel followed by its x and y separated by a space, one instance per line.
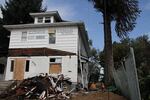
pixel 19 69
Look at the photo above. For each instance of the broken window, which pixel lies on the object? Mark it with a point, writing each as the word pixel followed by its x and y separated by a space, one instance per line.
pixel 24 36
pixel 27 65
pixel 12 66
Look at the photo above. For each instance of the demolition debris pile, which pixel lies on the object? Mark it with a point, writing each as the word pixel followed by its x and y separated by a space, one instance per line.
pixel 39 87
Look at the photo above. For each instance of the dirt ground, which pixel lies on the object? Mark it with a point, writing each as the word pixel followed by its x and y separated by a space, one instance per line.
pixel 97 96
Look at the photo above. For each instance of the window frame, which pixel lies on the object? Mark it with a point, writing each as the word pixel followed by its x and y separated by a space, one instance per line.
pixel 40 19
pixel 57 60
pixel 12 65
pixel 27 66
pixel 24 36
pixel 52 37
pixel 40 37
pixel 47 19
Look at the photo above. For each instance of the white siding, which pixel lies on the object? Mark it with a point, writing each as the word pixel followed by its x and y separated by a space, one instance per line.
pixel 69 66
pixel 15 38
pixel 82 46
pixel 85 65
pixel 41 65
pixel 37 65
pixel 66 38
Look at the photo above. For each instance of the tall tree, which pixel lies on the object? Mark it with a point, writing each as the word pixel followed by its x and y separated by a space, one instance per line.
pixel 124 13
pixel 3 39
pixel 16 12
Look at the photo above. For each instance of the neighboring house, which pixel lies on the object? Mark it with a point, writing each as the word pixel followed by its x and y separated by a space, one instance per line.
pixel 49 45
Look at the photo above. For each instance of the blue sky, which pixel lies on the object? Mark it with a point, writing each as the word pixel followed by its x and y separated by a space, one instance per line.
pixel 82 10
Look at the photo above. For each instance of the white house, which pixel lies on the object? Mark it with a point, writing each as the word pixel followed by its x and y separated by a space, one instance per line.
pixel 49 45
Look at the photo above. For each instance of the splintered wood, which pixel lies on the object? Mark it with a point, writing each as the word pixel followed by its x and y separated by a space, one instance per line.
pixel 39 87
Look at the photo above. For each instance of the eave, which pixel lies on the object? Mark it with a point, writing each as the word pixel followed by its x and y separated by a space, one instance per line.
pixel 37 52
pixel 45 25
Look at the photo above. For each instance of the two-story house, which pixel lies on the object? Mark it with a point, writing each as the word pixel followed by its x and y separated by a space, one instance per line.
pixel 49 45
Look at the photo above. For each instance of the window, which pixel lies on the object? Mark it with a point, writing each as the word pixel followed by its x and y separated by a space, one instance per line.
pixel 2 68
pixel 55 65
pixel 52 59
pixel 56 60
pixel 12 66
pixel 27 65
pixel 47 20
pixel 31 37
pixel 55 68
pixel 40 37
pixel 52 38
pixel 24 36
pixel 40 20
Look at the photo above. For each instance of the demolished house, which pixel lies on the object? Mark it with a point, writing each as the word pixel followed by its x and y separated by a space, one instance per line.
pixel 42 87
pixel 49 45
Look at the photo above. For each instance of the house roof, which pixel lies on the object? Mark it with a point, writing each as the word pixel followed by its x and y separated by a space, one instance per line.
pixel 38 52
pixel 47 13
pixel 22 26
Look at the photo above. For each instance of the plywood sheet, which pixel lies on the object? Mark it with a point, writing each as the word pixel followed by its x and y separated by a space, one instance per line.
pixel 55 68
pixel 19 69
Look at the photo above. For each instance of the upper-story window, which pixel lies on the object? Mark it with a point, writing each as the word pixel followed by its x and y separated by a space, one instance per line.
pixel 40 19
pixel 52 38
pixel 40 37
pixel 47 20
pixel 24 36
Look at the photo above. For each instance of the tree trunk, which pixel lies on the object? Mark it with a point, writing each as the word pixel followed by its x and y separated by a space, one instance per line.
pixel 108 50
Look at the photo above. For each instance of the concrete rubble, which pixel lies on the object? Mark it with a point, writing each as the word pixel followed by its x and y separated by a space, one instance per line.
pixel 40 87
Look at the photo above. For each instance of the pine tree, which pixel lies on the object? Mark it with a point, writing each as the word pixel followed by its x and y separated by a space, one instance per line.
pixel 16 12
